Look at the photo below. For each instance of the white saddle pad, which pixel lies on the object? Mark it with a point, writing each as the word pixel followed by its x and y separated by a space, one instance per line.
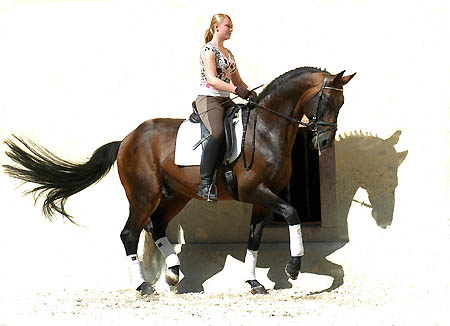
pixel 189 135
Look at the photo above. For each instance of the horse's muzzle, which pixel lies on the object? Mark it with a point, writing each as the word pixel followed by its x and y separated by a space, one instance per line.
pixel 321 142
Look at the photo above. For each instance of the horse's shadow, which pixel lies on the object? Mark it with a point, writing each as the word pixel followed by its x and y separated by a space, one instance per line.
pixel 362 161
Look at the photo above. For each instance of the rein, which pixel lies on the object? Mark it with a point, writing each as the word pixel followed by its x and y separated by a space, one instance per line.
pixel 313 125
pixel 244 133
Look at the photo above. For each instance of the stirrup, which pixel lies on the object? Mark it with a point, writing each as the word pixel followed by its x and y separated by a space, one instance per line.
pixel 210 195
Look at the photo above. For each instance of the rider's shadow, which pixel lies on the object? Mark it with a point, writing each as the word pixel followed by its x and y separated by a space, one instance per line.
pixel 362 161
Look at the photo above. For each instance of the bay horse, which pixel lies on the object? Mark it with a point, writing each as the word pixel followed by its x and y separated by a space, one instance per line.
pixel 157 189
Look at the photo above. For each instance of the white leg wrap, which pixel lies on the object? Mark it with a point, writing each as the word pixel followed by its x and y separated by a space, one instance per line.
pixel 134 267
pixel 166 249
pixel 296 240
pixel 250 264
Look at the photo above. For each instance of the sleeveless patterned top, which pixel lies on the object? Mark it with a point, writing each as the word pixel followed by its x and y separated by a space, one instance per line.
pixel 224 69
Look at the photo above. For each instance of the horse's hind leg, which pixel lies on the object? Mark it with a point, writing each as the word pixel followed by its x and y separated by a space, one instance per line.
pixel 141 207
pixel 167 209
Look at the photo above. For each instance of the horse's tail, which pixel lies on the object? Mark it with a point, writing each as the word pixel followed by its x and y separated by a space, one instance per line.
pixel 57 179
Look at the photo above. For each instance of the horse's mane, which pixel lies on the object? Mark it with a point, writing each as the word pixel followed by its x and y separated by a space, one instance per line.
pixel 284 78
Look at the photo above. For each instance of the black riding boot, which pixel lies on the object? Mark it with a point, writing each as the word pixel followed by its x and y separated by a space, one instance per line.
pixel 208 165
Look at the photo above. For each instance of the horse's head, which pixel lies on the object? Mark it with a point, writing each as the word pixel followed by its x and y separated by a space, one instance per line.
pixel 322 103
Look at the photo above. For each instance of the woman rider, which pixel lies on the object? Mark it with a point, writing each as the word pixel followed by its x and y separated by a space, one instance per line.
pixel 218 68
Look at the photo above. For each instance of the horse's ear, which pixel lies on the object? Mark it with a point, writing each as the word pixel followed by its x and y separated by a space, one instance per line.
pixel 401 157
pixel 347 78
pixel 394 138
pixel 337 79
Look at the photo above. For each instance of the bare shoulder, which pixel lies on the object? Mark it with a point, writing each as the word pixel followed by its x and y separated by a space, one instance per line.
pixel 207 54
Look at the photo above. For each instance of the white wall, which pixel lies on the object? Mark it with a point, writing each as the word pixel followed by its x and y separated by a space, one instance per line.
pixel 77 74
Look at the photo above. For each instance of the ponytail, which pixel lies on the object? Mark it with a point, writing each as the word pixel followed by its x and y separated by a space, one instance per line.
pixel 208 35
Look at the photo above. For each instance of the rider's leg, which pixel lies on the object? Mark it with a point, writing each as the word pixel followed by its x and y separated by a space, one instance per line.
pixel 208 164
pixel 211 110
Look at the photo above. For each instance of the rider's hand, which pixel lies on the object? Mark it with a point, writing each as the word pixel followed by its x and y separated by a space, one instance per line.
pixel 252 100
pixel 253 97
pixel 242 92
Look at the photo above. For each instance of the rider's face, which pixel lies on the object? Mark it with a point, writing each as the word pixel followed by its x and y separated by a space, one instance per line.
pixel 224 29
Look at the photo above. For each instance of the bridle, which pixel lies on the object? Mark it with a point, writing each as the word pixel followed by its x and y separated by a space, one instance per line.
pixel 312 125
pixel 315 123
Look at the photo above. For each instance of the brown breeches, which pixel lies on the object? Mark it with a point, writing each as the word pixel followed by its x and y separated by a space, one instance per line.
pixel 212 110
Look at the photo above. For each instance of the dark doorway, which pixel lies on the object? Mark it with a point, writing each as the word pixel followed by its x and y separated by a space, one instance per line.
pixel 303 191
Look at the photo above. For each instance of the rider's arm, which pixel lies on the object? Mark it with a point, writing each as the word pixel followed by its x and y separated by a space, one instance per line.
pixel 237 80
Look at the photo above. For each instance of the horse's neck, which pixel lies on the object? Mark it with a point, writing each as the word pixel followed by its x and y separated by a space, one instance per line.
pixel 278 129
pixel 275 133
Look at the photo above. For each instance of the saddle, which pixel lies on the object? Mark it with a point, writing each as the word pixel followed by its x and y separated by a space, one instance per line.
pixel 229 124
pixel 188 150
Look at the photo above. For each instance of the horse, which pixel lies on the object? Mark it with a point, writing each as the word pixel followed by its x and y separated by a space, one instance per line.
pixel 157 189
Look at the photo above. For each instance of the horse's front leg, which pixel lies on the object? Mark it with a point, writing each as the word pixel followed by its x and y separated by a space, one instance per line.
pixel 264 197
pixel 254 240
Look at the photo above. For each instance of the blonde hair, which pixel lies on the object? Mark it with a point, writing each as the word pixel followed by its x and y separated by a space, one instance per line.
pixel 217 19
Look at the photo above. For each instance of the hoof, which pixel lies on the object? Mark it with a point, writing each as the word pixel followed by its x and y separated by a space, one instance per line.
pixel 146 289
pixel 173 275
pixel 293 267
pixel 257 288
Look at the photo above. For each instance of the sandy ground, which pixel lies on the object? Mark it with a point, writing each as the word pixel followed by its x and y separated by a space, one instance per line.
pixel 347 305
pixel 361 300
